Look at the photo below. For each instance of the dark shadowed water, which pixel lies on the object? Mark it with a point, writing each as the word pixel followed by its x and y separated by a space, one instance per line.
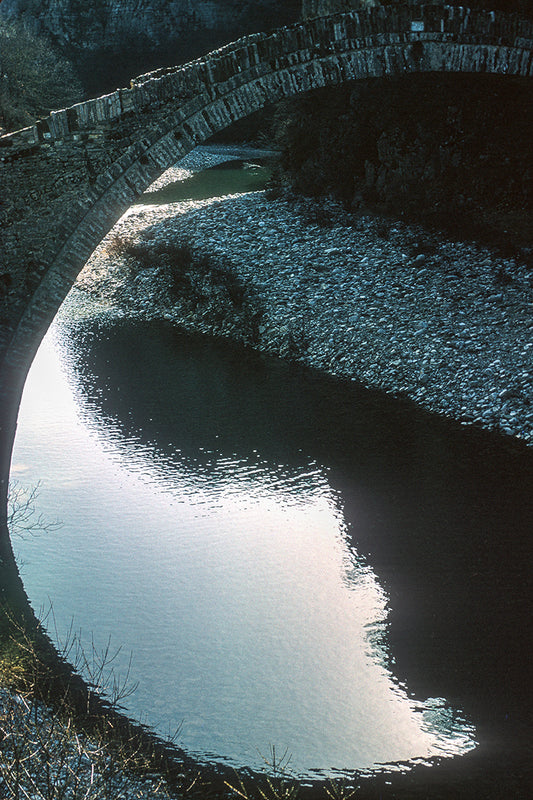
pixel 290 561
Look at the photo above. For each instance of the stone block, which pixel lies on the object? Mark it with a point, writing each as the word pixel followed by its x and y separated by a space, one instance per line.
pixel 84 165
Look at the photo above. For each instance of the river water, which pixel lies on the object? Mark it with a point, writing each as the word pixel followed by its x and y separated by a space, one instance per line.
pixel 286 560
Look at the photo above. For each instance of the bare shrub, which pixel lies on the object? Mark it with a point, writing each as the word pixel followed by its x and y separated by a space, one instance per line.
pixel 42 755
pixel 119 245
pixel 277 784
pixel 22 517
pixel 44 752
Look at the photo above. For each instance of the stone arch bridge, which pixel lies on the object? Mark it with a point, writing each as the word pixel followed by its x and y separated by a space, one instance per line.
pixel 66 180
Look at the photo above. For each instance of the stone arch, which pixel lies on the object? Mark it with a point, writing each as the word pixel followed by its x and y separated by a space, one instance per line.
pixel 82 167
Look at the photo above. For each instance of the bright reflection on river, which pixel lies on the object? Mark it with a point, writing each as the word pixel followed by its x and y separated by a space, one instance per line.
pixel 251 620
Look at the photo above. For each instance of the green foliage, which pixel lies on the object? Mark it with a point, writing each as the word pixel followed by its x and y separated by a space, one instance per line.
pixel 34 78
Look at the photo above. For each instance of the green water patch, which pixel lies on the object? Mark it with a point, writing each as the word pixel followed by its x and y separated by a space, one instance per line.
pixel 232 177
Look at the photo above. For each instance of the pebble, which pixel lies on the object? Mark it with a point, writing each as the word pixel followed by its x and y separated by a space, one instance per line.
pixel 462 341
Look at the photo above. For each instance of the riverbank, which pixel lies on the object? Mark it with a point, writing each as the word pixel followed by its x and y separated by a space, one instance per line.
pixel 445 323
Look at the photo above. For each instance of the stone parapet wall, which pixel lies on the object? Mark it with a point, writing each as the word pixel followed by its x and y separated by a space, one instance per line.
pixel 66 180
pixel 322 8
pixel 253 55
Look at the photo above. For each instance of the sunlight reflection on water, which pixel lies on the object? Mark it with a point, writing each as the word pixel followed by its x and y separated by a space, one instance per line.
pixel 229 576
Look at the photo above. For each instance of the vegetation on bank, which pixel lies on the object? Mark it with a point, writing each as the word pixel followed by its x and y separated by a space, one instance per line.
pixel 34 77
pixel 63 738
pixel 61 735
pixel 452 152
pixel 52 748
pixel 169 272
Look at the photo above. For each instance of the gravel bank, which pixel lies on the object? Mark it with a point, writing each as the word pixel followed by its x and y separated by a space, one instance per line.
pixel 446 323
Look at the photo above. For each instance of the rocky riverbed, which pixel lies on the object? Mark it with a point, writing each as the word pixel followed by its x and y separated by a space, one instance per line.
pixel 446 323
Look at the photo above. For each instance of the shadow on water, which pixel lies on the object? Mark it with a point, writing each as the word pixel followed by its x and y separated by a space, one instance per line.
pixel 443 514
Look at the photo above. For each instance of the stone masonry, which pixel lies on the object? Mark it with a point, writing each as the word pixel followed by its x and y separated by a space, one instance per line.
pixel 66 180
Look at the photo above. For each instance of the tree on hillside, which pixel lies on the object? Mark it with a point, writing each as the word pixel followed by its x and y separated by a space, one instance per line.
pixel 34 79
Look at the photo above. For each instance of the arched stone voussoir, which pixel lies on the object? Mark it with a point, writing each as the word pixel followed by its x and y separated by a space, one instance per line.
pixel 66 180
pixel 87 164
pixel 165 138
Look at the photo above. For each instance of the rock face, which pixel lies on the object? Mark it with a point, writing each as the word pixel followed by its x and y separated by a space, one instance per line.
pixel 108 22
pixel 418 147
pixel 318 8
pixel 112 40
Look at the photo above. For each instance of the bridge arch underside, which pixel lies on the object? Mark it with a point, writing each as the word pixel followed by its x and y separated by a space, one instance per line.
pixel 68 216
pixel 121 183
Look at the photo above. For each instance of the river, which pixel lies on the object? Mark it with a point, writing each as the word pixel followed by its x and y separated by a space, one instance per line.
pixel 288 561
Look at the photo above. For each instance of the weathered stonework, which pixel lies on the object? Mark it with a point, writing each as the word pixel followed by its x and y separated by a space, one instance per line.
pixel 65 181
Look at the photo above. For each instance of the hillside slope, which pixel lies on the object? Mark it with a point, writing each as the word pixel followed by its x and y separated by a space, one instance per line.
pixel 111 40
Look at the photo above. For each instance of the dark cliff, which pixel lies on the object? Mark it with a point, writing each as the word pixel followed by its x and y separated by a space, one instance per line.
pixel 109 41
pixel 317 8
pixel 451 150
